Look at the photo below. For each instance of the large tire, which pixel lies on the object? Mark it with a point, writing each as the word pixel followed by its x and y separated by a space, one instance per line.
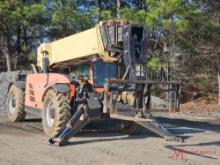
pixel 133 129
pixel 56 112
pixel 15 104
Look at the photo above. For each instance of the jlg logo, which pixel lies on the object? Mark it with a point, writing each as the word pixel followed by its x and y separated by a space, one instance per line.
pixel 176 154
pixel 180 154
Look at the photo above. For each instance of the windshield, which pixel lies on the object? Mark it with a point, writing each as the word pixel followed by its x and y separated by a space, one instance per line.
pixel 102 70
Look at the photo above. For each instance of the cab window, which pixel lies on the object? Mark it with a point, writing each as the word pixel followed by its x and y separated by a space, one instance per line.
pixel 83 69
pixel 102 70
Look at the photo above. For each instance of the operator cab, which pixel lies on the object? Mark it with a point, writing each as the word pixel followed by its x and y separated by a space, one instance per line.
pixel 95 73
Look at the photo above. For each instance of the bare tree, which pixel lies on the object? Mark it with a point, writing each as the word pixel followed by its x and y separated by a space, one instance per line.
pixel 4 48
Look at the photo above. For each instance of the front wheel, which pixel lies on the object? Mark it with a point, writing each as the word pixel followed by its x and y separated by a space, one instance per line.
pixel 56 112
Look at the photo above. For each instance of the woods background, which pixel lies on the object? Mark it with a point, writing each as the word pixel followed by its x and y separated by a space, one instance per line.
pixel 186 32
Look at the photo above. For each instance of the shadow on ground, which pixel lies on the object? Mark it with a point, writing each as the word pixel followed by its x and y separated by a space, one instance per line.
pixel 180 127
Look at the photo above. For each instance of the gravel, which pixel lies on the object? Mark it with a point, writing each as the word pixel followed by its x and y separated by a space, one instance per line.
pixel 158 103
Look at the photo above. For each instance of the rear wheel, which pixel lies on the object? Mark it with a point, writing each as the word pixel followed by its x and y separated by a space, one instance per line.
pixel 15 104
pixel 56 112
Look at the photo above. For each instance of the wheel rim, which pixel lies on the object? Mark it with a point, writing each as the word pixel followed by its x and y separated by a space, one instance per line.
pixel 11 103
pixel 50 114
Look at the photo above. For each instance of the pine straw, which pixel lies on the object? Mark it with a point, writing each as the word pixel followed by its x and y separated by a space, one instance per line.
pixel 202 104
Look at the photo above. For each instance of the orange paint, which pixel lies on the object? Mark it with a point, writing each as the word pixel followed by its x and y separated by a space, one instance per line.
pixel 38 84
pixel 72 91
pixel 97 90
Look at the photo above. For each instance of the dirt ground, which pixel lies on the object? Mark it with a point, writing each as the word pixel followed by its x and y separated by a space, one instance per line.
pixel 24 144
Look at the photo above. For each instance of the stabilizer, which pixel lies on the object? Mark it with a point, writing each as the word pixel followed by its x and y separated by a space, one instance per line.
pixel 78 121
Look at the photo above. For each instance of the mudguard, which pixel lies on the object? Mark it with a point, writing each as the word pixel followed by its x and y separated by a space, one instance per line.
pixel 20 84
pixel 37 86
pixel 62 88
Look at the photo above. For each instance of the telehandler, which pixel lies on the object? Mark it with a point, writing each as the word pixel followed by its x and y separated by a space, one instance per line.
pixel 96 74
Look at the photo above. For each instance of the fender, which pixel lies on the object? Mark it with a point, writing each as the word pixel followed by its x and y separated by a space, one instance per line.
pixel 19 84
pixel 38 84
pixel 62 88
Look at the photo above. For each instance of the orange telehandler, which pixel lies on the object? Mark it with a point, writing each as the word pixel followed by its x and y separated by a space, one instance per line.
pixel 96 74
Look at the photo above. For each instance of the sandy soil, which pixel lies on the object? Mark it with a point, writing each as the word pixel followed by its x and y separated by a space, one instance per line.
pixel 24 144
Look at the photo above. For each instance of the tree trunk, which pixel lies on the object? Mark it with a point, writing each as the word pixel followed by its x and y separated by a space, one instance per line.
pixel 100 9
pixel 4 46
pixel 18 40
pixel 118 7
pixel 218 86
pixel 114 8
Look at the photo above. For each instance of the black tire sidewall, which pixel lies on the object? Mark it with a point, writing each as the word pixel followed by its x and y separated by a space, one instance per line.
pixel 62 112
pixel 47 128
pixel 19 113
